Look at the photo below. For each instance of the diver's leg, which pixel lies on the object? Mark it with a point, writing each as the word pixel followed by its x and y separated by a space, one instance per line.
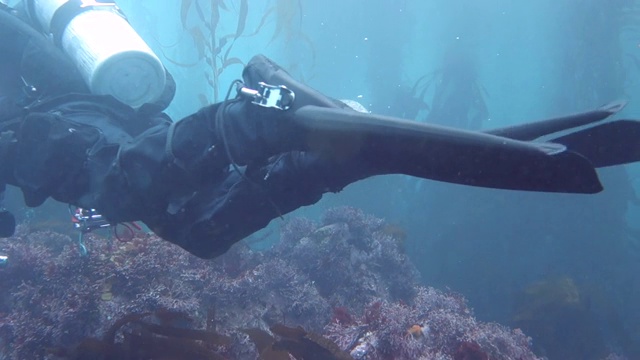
pixel 249 134
pixel 220 215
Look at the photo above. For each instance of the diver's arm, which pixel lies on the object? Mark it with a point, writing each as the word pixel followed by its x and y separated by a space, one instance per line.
pixel 221 214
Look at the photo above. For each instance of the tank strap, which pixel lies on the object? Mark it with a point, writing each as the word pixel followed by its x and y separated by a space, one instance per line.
pixel 124 116
pixel 51 102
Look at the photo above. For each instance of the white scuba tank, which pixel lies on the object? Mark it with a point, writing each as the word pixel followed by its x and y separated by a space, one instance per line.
pixel 112 58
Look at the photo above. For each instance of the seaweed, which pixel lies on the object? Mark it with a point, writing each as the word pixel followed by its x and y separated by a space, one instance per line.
pixel 149 336
pixel 264 345
pixel 200 19
pixel 470 351
pixel 558 314
pixel 294 341
pixel 458 96
pixel 211 47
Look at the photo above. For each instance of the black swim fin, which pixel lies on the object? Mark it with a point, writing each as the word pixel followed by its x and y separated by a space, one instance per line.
pixel 503 158
pixel 537 129
pixel 391 145
pixel 606 144
pixel 609 144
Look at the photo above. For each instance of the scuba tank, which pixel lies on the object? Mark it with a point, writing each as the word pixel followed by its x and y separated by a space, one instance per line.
pixel 111 57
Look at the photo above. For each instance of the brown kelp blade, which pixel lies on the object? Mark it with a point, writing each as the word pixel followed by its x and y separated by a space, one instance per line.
pixel 143 338
pixel 307 345
pixel 264 345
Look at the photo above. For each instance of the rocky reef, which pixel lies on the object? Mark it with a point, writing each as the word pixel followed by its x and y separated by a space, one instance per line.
pixel 342 285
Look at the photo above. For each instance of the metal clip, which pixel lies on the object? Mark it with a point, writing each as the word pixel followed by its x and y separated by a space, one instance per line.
pixel 82 248
pixel 271 96
pixel 28 89
pixel 87 220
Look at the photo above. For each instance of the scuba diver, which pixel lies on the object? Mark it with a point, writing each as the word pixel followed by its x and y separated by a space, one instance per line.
pixel 82 122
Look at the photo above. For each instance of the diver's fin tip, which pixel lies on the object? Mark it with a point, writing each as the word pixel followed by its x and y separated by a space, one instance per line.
pixel 614 106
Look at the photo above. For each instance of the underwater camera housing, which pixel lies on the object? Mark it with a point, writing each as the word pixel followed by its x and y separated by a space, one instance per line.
pixel 112 58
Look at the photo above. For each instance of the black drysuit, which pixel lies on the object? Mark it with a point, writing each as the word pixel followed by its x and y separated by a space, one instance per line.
pixel 215 177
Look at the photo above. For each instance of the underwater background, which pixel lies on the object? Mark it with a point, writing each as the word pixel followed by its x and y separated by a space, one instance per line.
pixel 383 266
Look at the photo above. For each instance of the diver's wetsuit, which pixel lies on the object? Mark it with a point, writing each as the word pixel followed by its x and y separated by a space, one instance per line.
pixel 215 177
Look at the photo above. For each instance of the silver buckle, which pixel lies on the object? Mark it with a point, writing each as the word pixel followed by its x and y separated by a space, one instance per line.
pixel 270 96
